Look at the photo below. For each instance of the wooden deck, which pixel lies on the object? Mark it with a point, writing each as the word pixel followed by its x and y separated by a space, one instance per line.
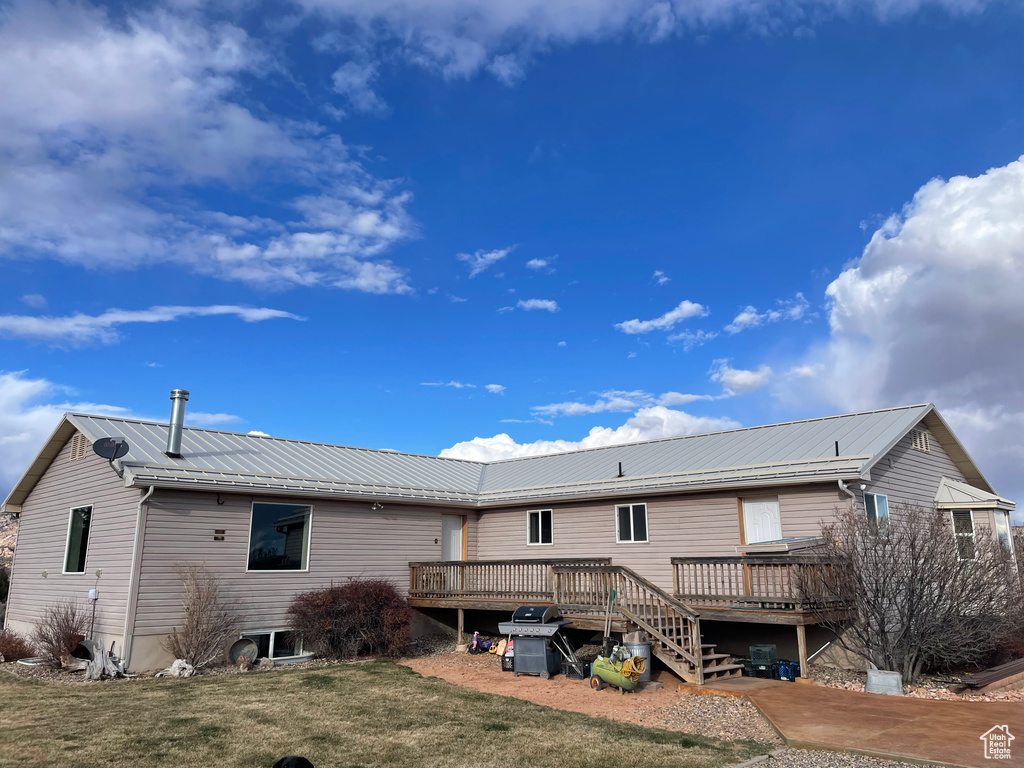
pixel 764 589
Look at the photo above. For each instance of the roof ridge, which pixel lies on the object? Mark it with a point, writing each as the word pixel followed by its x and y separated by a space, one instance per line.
pixel 273 437
pixel 706 434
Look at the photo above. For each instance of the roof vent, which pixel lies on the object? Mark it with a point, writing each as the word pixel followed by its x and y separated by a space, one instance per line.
pixel 178 399
pixel 79 446
pixel 919 440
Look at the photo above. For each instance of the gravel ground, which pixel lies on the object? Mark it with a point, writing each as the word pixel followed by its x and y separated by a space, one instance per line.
pixel 721 717
pixel 808 758
pixel 928 687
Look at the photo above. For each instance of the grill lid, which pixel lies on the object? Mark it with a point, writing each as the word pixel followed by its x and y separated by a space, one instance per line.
pixel 534 614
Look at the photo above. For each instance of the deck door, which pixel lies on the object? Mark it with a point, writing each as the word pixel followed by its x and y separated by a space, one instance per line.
pixel 451 537
pixel 761 521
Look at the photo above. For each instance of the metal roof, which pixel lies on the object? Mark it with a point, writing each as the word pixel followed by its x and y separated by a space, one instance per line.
pixel 774 454
pixel 953 493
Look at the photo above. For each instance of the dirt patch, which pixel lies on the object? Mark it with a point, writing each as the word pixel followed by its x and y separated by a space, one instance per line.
pixel 654 707
pixel 934 688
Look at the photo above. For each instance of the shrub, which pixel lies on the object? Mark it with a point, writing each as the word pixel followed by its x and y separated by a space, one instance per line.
pixel 60 631
pixel 210 622
pixel 342 621
pixel 13 646
pixel 5 584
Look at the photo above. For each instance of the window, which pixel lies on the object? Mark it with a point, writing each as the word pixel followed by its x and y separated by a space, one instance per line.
pixel 277 644
pixel 539 526
pixel 963 533
pixel 279 537
pixel 919 440
pixel 78 540
pixel 631 520
pixel 1003 530
pixel 877 508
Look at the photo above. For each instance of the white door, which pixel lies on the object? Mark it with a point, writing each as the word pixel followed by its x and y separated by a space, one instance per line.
pixel 761 520
pixel 451 537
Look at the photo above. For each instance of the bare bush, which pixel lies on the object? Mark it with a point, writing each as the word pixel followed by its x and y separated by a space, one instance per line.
pixel 60 630
pixel 13 646
pixel 915 596
pixel 210 622
pixel 362 616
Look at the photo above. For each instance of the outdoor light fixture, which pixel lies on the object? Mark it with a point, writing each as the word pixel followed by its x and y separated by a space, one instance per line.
pixel 377 506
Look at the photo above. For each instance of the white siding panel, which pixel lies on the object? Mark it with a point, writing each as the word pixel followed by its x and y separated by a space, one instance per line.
pixel 43 534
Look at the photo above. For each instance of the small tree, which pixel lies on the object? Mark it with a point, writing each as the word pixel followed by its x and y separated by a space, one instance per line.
pixel 362 616
pixel 5 584
pixel 13 646
pixel 915 596
pixel 210 622
pixel 60 630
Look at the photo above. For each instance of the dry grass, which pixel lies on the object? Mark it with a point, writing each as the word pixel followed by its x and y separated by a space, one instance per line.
pixel 375 715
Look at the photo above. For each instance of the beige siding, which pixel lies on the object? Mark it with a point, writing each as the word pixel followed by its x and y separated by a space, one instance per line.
pixel 43 534
pixel 678 526
pixel 908 476
pixel 347 540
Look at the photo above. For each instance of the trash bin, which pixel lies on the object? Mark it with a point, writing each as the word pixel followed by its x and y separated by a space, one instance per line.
pixel 643 650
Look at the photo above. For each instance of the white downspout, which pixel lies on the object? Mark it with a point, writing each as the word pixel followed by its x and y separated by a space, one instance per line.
pixel 128 637
pixel 848 492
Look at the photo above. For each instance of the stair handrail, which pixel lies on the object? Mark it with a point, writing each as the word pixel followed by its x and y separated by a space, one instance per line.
pixel 692 617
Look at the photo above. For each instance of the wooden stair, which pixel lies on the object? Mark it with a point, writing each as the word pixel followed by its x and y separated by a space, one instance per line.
pixel 673 626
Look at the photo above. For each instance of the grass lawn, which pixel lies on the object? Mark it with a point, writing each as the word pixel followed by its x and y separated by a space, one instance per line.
pixel 376 714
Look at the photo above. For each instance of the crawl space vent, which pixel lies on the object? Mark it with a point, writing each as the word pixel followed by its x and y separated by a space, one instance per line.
pixel 919 440
pixel 79 446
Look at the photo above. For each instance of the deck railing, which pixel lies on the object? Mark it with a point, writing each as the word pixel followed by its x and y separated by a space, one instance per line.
pixel 496 580
pixel 764 582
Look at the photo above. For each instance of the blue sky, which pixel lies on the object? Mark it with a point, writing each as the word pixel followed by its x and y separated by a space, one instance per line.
pixel 411 224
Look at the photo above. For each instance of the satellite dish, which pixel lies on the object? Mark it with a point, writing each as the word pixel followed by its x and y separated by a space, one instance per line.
pixel 111 448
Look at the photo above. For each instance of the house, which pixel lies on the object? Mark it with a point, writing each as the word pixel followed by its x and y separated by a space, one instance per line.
pixel 700 536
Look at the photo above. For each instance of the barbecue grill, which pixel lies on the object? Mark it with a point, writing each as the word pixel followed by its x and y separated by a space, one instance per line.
pixel 538 644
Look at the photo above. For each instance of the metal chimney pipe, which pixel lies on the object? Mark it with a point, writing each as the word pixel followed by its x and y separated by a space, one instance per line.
pixel 178 399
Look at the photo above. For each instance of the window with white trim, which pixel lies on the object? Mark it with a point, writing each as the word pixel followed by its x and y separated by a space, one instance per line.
pixel 877 507
pixel 279 537
pixel 77 546
pixel 631 523
pixel 963 533
pixel 539 526
pixel 1003 530
pixel 276 644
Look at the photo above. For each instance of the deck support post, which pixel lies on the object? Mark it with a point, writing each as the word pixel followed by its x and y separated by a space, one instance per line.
pixel 462 625
pixel 801 644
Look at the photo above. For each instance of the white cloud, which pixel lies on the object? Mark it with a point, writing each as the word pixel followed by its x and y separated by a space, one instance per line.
pixel 691 339
pixel 494 389
pixel 79 329
pixel 200 419
pixel 561 343
pixel 649 423
pixel 547 305
pixel 661 278
pixel 29 411
pixel 805 371
pixel 453 384
pixel 481 260
pixel 111 131
pixel 931 312
pixel 537 264
pixel 736 380
pixel 618 401
pixel 685 310
pixel 257 433
pixel 458 38
pixel 354 81
pixel 785 309
pixel 34 300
